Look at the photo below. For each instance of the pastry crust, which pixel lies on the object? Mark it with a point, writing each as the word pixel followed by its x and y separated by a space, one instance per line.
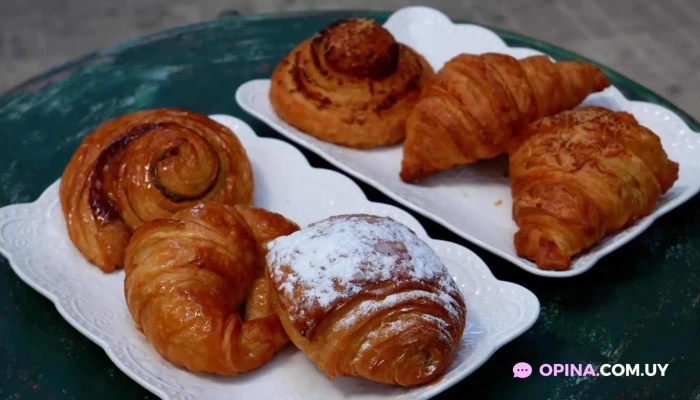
pixel 187 278
pixel 352 84
pixel 474 105
pixel 144 166
pixel 580 175
pixel 363 296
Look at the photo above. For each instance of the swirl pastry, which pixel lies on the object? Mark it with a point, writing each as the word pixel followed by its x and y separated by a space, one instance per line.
pixel 363 296
pixel 475 104
pixel 187 277
pixel 352 84
pixel 144 166
pixel 580 175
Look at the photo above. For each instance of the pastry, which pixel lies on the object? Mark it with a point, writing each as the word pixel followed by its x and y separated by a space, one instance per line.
pixel 188 276
pixel 144 166
pixel 580 175
pixel 475 104
pixel 363 296
pixel 351 84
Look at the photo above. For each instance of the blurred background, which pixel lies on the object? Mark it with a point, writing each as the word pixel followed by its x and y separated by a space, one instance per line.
pixel 655 42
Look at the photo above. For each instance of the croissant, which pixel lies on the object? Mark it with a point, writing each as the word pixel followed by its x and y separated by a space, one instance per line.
pixel 362 295
pixel 187 277
pixel 144 166
pixel 352 84
pixel 475 104
pixel 580 175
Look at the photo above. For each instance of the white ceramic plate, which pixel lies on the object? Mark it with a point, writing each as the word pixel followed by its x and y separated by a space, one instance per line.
pixel 474 201
pixel 34 239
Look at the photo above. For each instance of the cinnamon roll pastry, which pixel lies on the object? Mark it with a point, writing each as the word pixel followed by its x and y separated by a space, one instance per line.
pixel 189 276
pixel 144 166
pixel 351 84
pixel 476 103
pixel 580 175
pixel 362 295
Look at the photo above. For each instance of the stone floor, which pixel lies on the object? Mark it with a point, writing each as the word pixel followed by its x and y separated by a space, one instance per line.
pixel 652 41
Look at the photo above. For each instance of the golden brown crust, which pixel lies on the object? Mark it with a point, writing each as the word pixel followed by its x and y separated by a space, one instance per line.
pixel 382 306
pixel 580 175
pixel 144 166
pixel 352 84
pixel 187 277
pixel 266 226
pixel 473 106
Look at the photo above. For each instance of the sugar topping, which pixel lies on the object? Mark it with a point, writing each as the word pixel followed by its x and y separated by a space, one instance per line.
pixel 369 306
pixel 337 258
pixel 392 328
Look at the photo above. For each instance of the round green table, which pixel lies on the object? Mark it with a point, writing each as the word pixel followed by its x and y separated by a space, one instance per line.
pixel 641 304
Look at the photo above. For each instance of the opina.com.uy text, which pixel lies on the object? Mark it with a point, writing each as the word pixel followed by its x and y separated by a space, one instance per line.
pixel 524 370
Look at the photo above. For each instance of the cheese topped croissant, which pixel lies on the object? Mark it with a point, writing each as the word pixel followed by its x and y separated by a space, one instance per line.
pixel 580 175
pixel 351 84
pixel 362 295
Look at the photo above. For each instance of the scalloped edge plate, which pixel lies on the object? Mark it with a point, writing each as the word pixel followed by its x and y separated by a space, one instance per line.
pixel 474 201
pixel 34 239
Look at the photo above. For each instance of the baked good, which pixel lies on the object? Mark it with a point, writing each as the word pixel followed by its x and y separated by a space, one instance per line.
pixel 187 278
pixel 144 166
pixel 580 175
pixel 476 103
pixel 351 84
pixel 362 295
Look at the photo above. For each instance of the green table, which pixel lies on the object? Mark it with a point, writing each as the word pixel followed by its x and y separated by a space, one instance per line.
pixel 639 305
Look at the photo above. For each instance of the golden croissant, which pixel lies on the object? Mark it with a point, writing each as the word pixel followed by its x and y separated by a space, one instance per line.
pixel 363 296
pixel 351 84
pixel 144 166
pixel 188 276
pixel 580 175
pixel 470 110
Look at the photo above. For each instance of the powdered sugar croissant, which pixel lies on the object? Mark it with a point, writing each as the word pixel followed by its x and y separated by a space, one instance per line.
pixel 363 296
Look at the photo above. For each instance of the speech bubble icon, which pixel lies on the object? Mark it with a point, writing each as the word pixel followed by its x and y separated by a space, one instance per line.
pixel 522 370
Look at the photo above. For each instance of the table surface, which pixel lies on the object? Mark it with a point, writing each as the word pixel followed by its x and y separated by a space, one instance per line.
pixel 640 304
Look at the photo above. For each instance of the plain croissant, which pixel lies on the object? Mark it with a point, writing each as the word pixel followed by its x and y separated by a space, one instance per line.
pixel 470 110
pixel 580 175
pixel 187 278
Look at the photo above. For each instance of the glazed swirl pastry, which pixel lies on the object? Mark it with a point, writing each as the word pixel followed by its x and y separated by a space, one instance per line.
pixel 580 175
pixel 144 166
pixel 363 296
pixel 352 84
pixel 187 278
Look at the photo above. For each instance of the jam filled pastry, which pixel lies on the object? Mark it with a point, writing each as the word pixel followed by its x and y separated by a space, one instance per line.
pixel 580 175
pixel 352 84
pixel 363 296
pixel 189 277
pixel 144 166
pixel 476 103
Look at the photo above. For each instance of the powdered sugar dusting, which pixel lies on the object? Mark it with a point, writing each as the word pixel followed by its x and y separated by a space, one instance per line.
pixel 336 258
pixel 370 306
pixel 392 328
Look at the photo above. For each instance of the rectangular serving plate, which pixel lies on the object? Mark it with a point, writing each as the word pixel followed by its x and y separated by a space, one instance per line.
pixel 474 201
pixel 34 239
